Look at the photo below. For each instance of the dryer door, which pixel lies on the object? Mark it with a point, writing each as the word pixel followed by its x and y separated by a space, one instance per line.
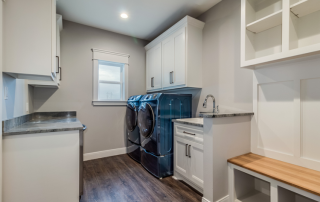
pixel 131 117
pixel 146 120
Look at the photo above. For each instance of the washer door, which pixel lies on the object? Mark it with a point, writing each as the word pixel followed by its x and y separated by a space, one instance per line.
pixel 131 117
pixel 146 120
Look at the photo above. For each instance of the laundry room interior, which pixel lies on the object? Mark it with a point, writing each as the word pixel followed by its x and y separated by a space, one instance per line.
pixel 160 101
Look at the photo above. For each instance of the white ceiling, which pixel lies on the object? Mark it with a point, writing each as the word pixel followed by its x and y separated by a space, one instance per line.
pixel 147 18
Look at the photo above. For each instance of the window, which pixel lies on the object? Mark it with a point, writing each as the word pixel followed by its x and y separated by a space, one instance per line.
pixel 111 81
pixel 109 78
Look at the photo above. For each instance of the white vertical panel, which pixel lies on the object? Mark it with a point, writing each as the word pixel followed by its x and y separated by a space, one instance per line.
pixel 276 117
pixel 310 110
pixel 180 57
pixel 167 60
pixel 181 160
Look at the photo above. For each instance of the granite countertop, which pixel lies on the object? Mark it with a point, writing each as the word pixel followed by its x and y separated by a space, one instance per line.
pixel 225 114
pixel 191 121
pixel 44 122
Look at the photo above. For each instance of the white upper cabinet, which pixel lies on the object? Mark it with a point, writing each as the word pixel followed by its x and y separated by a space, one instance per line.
pixel 29 39
pixel 174 60
pixel 154 70
pixel 277 30
pixel 57 68
pixel 179 64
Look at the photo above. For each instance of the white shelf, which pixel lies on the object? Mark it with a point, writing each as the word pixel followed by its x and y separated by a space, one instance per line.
pixel 305 7
pixel 265 23
pixel 254 197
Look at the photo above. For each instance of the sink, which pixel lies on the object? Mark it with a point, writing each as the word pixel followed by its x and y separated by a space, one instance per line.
pixel 193 120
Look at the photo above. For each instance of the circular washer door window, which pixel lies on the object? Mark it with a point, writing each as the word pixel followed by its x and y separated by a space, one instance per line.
pixel 131 117
pixel 146 120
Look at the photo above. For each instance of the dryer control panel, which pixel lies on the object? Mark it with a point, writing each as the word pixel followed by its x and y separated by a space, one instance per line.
pixel 150 97
pixel 134 98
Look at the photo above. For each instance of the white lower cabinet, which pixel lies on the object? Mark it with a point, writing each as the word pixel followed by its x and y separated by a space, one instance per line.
pixel 42 167
pixel 188 155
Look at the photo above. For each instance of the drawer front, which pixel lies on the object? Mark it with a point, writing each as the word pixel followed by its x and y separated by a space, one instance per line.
pixel 191 133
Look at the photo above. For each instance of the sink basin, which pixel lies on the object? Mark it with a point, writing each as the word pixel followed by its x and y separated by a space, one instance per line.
pixel 192 120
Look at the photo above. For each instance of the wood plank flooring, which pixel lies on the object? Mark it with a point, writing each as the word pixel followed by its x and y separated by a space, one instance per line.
pixel 121 179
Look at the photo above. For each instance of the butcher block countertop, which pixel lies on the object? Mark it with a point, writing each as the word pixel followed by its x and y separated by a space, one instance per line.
pixel 297 176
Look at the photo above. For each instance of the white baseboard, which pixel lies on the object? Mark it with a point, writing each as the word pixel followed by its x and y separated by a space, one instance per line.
pixel 224 199
pixel 175 178
pixel 205 200
pixel 103 154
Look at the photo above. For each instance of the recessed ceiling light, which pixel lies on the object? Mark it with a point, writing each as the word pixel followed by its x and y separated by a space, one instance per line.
pixel 123 15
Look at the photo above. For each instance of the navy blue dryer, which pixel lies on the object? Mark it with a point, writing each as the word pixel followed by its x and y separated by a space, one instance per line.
pixel 155 116
pixel 133 135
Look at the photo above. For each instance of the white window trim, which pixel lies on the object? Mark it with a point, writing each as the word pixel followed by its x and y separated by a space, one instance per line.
pixel 110 56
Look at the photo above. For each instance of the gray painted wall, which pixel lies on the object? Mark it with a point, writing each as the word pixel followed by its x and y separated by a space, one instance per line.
pixel 105 123
pixel 222 75
pixel 19 95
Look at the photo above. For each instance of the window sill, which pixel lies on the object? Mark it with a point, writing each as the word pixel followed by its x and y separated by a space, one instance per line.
pixel 109 103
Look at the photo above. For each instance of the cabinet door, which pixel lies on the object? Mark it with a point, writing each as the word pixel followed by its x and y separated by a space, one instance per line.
pixel 180 156
pixel 29 35
pixel 58 55
pixel 154 81
pixel 179 73
pixel 174 59
pixel 54 39
pixel 196 163
pixel 168 62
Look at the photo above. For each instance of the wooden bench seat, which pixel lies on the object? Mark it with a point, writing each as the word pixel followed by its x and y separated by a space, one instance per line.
pixel 297 176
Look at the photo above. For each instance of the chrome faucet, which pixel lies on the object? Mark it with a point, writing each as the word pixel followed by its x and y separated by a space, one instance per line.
pixel 213 99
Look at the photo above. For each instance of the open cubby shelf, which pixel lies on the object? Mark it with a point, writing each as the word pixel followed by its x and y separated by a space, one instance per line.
pixel 265 23
pixel 285 195
pixel 250 189
pixel 277 30
pixel 305 7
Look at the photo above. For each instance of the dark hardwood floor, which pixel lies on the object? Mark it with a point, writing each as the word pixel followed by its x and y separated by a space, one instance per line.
pixel 121 179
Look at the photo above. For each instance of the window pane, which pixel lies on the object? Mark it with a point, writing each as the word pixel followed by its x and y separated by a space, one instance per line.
pixel 109 73
pixel 109 91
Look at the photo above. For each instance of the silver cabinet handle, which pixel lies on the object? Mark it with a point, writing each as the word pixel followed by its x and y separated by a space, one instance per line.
pixel 171 78
pixel 152 82
pixel 188 133
pixel 58 64
pixel 186 150
pixel 189 151
pixel 60 73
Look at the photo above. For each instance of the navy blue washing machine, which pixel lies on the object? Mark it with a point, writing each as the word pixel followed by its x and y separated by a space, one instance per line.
pixel 155 115
pixel 133 134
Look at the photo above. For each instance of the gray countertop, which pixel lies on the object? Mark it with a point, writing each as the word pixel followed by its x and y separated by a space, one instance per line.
pixel 225 114
pixel 42 123
pixel 191 121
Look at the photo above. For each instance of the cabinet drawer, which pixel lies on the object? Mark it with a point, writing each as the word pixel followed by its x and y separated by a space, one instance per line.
pixel 189 132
